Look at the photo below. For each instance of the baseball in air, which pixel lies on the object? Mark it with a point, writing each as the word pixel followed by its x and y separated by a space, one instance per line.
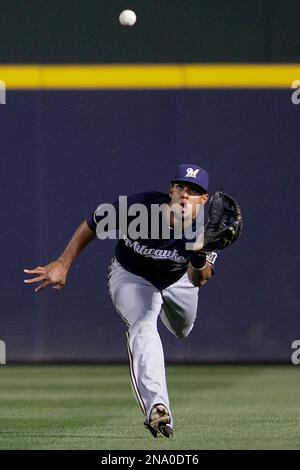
pixel 127 18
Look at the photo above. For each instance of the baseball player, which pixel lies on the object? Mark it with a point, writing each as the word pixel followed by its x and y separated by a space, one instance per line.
pixel 151 277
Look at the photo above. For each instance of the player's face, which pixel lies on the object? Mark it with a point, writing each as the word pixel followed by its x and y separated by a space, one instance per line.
pixel 187 199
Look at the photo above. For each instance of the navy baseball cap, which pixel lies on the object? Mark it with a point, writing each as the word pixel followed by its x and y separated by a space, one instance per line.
pixel 190 173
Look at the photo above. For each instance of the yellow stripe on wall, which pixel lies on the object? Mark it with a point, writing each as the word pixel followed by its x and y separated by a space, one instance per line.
pixel 149 76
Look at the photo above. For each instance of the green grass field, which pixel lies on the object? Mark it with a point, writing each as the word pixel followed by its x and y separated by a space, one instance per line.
pixel 92 407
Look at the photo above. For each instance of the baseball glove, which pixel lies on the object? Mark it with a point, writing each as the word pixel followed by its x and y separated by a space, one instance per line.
pixel 224 223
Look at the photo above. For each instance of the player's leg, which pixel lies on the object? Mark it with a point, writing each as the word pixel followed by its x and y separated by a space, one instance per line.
pixel 179 307
pixel 139 304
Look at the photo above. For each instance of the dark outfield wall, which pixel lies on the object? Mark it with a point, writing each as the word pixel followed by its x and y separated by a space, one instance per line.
pixel 84 31
pixel 62 153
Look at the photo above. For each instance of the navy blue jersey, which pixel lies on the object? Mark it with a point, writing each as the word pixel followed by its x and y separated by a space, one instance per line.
pixel 160 261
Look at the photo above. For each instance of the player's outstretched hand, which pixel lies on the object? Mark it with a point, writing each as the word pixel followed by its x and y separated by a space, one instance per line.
pixel 53 274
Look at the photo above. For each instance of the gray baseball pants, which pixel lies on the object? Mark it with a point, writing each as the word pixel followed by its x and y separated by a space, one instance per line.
pixel 139 304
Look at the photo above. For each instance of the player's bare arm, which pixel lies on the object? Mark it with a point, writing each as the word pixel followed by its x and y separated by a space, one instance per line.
pixel 199 277
pixel 55 273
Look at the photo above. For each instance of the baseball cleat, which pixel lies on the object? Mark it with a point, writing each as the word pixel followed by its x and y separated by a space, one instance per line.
pixel 159 422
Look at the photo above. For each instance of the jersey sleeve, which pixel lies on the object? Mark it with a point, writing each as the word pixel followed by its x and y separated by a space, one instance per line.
pixel 93 219
pixel 142 198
